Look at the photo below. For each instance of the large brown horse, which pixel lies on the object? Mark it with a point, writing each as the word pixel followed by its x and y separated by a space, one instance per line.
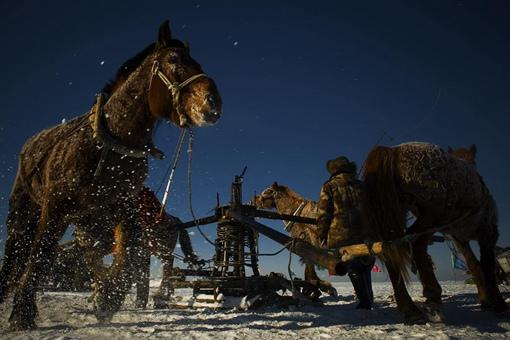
pixel 446 194
pixel 287 201
pixel 89 170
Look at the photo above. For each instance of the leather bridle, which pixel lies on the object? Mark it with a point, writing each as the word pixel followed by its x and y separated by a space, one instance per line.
pixel 174 88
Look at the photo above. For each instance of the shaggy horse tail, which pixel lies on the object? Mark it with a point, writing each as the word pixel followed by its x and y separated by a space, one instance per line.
pixel 385 214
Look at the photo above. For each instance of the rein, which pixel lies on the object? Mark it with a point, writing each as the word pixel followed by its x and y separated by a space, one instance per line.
pixel 174 88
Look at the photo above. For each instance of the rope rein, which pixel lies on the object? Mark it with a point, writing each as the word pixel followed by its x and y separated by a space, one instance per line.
pixel 190 202
pixel 174 163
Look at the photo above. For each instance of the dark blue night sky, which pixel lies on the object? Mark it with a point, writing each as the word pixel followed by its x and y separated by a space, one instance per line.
pixel 301 81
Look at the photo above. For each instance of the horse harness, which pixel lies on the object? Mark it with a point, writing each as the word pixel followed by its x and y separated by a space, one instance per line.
pixel 297 212
pixel 110 143
pixel 174 88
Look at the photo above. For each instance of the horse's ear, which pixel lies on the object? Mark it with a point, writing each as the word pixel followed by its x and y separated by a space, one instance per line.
pixel 274 185
pixel 164 35
pixel 450 150
pixel 472 148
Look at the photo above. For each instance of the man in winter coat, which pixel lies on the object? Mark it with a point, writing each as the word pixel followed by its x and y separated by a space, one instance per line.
pixel 340 222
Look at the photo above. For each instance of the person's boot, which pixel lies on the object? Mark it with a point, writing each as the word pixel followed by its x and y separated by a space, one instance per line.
pixel 359 282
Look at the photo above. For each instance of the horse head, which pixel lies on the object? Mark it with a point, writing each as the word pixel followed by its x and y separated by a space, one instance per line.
pixel 179 89
pixel 467 155
pixel 267 199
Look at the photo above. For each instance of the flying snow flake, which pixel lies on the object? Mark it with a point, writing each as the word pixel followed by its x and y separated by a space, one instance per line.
pixel 70 83
pixel 101 63
pixel 236 43
pixel 63 120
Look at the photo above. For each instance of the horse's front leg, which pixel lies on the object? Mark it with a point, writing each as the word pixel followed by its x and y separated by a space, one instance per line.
pixel 118 281
pixel 312 277
pixel 49 232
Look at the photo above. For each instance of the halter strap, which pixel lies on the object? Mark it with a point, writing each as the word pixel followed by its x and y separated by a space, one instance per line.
pixel 174 88
pixel 297 212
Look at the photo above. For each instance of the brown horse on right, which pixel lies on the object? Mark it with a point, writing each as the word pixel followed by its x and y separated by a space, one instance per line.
pixel 446 194
pixel 287 201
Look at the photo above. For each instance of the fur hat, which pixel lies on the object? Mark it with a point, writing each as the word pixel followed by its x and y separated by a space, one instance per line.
pixel 341 165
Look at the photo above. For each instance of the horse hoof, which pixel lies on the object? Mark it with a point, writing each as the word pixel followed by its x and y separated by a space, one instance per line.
pixel 486 307
pixel 416 319
pixel 332 292
pixel 140 305
pixel 103 316
pixel 434 313
pixel 503 312
pixel 160 304
pixel 22 325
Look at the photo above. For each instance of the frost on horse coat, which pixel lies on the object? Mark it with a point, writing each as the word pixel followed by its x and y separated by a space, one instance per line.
pixel 446 194
pixel 56 186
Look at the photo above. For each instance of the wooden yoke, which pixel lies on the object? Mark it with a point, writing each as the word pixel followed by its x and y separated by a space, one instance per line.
pixel 334 260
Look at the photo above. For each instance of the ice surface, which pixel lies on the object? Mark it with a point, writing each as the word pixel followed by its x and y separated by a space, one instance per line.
pixel 68 316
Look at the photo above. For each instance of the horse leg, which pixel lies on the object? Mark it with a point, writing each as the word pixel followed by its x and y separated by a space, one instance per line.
pixel 488 264
pixel 143 272
pixel 165 290
pixel 476 270
pixel 405 304
pixel 312 277
pixel 431 288
pixel 21 226
pixel 41 258
pixel 113 290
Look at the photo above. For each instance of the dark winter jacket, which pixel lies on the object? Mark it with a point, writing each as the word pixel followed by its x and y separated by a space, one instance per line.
pixel 339 217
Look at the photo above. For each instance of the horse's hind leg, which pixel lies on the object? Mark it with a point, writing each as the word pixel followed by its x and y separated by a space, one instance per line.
pixel 41 257
pixel 165 289
pixel 113 290
pixel 21 225
pixel 488 264
pixel 476 271
pixel 405 304
pixel 431 288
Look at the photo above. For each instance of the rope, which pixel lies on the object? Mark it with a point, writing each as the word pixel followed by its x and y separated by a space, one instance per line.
pixel 178 146
pixel 291 276
pixel 175 161
pixel 190 203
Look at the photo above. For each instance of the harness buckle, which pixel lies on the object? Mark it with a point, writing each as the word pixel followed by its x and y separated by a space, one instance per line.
pixel 155 67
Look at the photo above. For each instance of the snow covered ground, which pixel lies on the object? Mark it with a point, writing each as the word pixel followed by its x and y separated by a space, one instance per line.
pixel 68 316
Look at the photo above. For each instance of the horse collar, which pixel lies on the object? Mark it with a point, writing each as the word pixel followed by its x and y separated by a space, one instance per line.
pixel 109 142
pixel 175 89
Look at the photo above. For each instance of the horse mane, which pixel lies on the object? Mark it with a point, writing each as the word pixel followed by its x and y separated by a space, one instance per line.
pixel 125 70
pixel 291 193
pixel 131 64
